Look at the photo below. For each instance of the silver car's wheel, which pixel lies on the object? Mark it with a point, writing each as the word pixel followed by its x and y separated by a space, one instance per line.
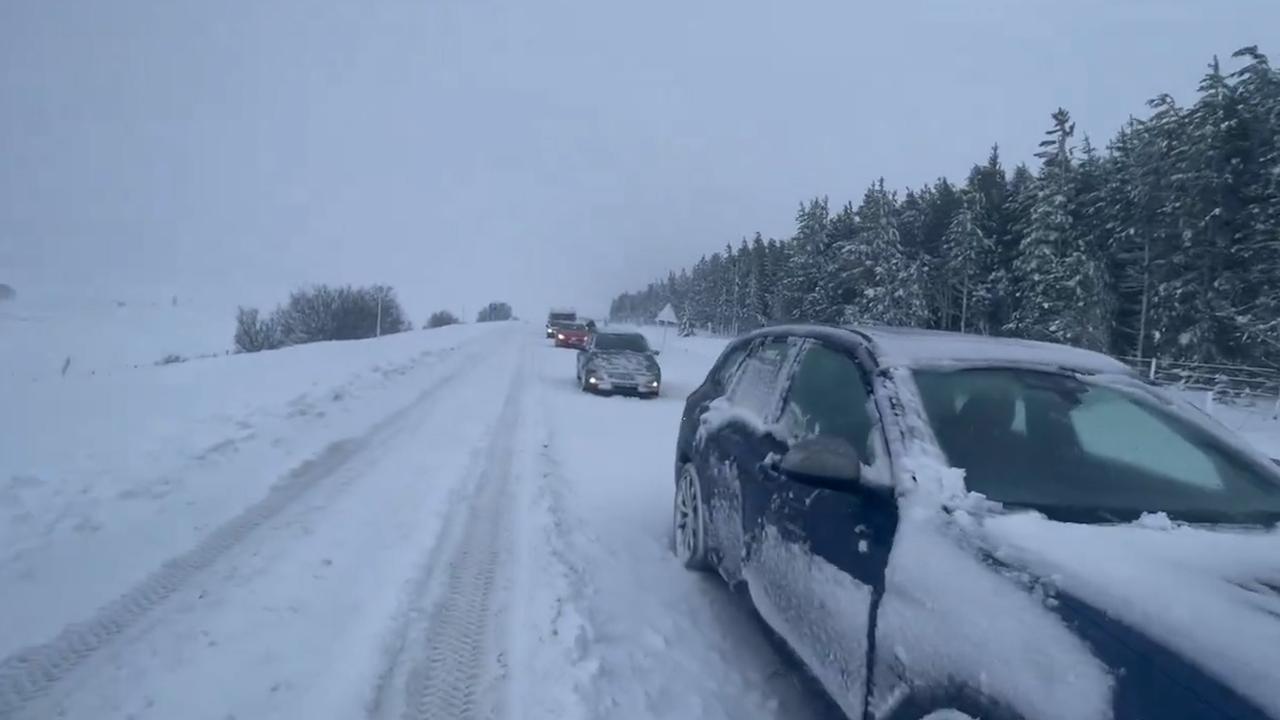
pixel 689 523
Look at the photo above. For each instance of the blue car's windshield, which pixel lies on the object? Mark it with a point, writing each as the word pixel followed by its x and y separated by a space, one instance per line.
pixel 1052 441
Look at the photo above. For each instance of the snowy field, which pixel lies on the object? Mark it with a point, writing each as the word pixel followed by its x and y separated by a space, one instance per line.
pixel 434 524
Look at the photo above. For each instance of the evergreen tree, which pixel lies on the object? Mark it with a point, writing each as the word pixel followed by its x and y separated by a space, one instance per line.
pixel 888 285
pixel 1088 251
pixel 987 189
pixel 807 262
pixel 1257 246
pixel 967 259
pixel 1161 207
pixel 1056 277
pixel 943 202
pixel 1167 245
pixel 1020 198
pixel 758 284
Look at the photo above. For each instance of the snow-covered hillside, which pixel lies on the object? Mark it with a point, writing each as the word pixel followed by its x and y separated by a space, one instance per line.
pixel 103 332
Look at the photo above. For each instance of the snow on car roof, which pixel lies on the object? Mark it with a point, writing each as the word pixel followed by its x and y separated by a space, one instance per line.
pixel 910 347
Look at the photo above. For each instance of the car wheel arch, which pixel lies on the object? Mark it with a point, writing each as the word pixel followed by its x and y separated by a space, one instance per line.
pixel 922 702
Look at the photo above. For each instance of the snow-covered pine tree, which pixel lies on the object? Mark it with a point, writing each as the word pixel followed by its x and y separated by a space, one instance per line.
pixel 806 264
pixel 988 185
pixel 967 257
pixel 888 284
pixel 1210 279
pixel 743 318
pixel 1056 278
pixel 1125 221
pixel 698 310
pixel 943 201
pixel 1257 247
pixel 837 288
pixel 914 213
pixel 1090 250
pixel 778 268
pixel 757 299
pixel 729 287
pixel 1160 144
pixel 681 293
pixel 715 293
pixel 1020 196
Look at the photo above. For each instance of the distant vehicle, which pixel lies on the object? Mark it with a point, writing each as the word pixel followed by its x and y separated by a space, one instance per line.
pixel 556 318
pixel 619 362
pixel 572 335
pixel 938 522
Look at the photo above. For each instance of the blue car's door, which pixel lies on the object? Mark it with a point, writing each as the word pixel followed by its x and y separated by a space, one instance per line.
pixel 816 557
pixel 737 440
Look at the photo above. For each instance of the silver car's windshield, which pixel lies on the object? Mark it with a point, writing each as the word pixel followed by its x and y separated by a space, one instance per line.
pixel 1053 441
pixel 629 342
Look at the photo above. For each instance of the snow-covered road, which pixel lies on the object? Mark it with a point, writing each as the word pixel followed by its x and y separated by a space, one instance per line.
pixel 440 526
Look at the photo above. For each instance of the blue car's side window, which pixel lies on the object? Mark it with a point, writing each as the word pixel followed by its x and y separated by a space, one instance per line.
pixel 727 369
pixel 829 396
pixel 759 379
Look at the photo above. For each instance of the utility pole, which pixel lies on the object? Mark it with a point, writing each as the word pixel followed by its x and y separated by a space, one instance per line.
pixel 379 331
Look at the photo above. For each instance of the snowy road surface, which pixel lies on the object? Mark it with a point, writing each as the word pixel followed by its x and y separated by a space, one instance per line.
pixel 434 525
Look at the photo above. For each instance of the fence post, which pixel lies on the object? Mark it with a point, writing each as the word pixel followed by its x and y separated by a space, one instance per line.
pixel 1276 414
pixel 1152 375
pixel 1208 402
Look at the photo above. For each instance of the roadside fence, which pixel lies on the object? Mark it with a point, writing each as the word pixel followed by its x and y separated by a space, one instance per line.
pixel 1229 383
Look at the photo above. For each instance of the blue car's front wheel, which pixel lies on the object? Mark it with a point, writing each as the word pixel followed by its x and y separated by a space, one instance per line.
pixel 689 528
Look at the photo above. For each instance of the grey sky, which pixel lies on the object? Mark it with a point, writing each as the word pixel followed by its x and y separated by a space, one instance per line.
pixel 548 151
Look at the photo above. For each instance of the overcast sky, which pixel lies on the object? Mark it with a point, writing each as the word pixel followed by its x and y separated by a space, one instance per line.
pixel 540 151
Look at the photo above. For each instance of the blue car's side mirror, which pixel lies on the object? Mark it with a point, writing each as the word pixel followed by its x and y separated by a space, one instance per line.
pixel 823 461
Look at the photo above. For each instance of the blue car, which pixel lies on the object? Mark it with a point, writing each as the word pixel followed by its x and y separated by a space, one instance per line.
pixel 942 526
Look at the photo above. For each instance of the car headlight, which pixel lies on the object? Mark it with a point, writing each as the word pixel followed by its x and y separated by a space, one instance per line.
pixel 560 336
pixel 653 383
pixel 592 380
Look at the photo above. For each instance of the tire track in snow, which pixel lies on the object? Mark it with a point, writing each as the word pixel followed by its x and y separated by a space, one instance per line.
pixel 29 674
pixel 450 663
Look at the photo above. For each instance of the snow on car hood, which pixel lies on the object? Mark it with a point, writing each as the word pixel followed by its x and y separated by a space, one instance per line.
pixel 947 618
pixel 1211 596
pixel 624 362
